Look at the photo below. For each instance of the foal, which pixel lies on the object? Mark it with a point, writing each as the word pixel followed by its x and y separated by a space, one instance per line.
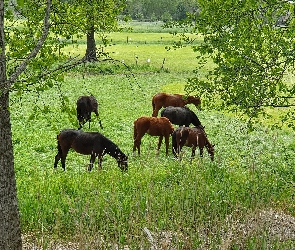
pixel 86 105
pixel 88 143
pixel 154 126
pixel 191 137
pixel 164 100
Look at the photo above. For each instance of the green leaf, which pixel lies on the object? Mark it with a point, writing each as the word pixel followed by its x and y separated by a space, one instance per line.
pixel 20 3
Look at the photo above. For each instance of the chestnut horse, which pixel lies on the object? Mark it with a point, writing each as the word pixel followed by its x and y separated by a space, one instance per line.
pixel 154 126
pixel 88 143
pixel 191 137
pixel 164 100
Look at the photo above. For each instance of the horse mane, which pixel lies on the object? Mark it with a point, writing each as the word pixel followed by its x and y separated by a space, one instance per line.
pixel 195 119
pixel 111 148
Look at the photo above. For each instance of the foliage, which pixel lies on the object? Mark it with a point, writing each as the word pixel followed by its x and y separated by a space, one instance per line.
pixel 102 15
pixel 68 22
pixel 160 10
pixel 251 46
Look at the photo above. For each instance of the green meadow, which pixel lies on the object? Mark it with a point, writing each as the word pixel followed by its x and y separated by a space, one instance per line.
pixel 244 199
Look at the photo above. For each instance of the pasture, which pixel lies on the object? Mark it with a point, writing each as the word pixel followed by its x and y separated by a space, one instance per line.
pixel 242 199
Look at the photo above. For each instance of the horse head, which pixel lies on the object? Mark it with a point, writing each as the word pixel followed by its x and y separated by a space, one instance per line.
pixel 210 149
pixel 123 162
pixel 194 100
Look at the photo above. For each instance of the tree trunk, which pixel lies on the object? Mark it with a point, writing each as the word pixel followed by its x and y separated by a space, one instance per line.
pixel 10 232
pixel 91 46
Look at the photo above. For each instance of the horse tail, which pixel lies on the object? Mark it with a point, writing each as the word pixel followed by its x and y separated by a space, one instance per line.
pixel 58 145
pixel 153 103
pixel 134 131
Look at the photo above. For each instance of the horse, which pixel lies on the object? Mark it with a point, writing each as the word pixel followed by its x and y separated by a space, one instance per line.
pixel 181 116
pixel 191 137
pixel 164 100
pixel 154 126
pixel 86 105
pixel 88 143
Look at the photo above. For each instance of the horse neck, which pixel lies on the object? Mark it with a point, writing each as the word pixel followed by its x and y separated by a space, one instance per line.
pixel 113 150
pixel 195 120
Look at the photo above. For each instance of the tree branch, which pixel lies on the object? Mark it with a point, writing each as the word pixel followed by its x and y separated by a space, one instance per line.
pixel 22 67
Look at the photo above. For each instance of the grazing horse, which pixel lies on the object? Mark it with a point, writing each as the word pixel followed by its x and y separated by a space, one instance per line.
pixel 88 143
pixel 164 100
pixel 181 116
pixel 191 137
pixel 86 105
pixel 154 126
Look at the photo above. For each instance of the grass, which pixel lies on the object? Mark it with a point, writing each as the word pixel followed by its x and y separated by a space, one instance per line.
pixel 203 205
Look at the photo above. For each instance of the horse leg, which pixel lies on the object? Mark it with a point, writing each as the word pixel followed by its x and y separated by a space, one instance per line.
pixel 167 143
pixel 201 151
pixel 137 139
pixel 57 158
pixel 99 162
pixel 92 159
pixel 193 153
pixel 99 121
pixel 63 160
pixel 156 111
pixel 62 154
pixel 136 145
pixel 160 142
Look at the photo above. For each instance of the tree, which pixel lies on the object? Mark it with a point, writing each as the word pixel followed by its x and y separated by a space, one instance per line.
pixel 93 17
pixel 30 60
pixel 245 57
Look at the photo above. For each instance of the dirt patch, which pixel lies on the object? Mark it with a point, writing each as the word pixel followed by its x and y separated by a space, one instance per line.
pixel 277 226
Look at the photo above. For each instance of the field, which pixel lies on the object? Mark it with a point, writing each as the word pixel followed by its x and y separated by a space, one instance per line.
pixel 242 200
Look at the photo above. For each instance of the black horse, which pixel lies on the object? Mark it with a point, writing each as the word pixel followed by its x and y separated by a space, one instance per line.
pixel 181 116
pixel 88 143
pixel 86 105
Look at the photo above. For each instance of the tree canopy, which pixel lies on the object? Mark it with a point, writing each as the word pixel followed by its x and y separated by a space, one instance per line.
pixel 246 60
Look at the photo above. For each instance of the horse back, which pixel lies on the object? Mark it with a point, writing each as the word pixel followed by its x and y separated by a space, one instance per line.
pixel 66 137
pixel 160 127
pixel 154 126
pixel 181 135
pixel 197 137
pixel 186 136
pixel 88 143
pixel 165 100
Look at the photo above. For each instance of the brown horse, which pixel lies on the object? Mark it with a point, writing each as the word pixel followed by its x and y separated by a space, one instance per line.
pixel 164 100
pixel 191 137
pixel 154 126
pixel 88 143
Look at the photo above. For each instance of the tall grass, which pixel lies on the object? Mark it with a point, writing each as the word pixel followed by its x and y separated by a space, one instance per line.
pixel 203 205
